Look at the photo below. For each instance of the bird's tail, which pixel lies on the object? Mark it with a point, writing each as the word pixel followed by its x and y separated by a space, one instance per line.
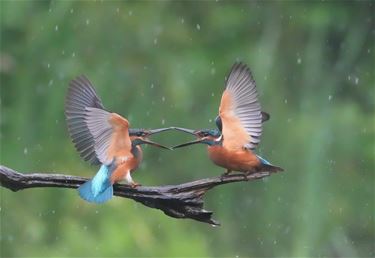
pixel 99 189
pixel 267 166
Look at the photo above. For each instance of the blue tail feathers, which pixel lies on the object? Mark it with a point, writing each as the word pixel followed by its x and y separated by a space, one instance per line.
pixel 99 189
pixel 267 166
pixel 264 161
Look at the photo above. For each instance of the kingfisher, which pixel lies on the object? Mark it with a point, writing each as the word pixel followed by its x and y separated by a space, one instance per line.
pixel 103 138
pixel 239 126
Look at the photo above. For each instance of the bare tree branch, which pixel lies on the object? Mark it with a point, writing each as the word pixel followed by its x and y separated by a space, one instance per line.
pixel 178 201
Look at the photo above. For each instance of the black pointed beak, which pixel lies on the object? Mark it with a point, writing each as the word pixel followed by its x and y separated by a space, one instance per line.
pixel 193 132
pixel 188 143
pixel 155 144
pixel 159 130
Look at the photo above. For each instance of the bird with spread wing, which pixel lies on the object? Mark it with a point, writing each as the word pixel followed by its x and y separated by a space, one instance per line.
pixel 103 138
pixel 239 123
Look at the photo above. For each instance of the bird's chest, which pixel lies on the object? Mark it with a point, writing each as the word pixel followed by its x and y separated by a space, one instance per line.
pixel 127 164
pixel 233 159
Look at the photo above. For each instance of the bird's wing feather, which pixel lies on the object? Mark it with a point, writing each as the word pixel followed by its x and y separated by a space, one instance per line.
pixel 110 134
pixel 81 95
pixel 240 110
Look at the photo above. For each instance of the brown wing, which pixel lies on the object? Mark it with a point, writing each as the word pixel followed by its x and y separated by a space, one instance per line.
pixel 98 135
pixel 110 132
pixel 240 110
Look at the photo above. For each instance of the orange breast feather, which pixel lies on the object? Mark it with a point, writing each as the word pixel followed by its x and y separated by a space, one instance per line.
pixel 126 166
pixel 235 135
pixel 236 160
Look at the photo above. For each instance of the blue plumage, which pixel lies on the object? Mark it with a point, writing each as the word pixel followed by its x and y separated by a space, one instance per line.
pixel 99 189
pixel 264 161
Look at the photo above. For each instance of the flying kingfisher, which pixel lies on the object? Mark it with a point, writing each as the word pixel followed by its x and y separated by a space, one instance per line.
pixel 239 124
pixel 103 138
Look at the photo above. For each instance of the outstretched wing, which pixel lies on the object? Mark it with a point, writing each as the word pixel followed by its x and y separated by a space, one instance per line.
pixel 240 110
pixel 110 132
pixel 81 95
pixel 94 131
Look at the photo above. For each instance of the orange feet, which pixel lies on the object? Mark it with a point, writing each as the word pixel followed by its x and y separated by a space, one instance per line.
pixel 134 185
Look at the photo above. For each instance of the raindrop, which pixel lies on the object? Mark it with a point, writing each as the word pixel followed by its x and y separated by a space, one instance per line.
pixel 330 97
pixel 87 22
pixel 25 151
pixel 130 13
pixel 96 212
pixel 349 77
pixel 163 99
pixel 71 11
pixel 56 28
pixel 63 52
pixel 155 41
pixel 198 27
pixel 152 85
pixel 85 228
pixel 299 61
pixel 210 120
pixel 53 211
pixel 213 71
pixel 285 101
pixel 48 65
pixel 73 54
pixel 356 80
pixel 212 94
pixel 118 10
pixel 163 121
pixel 50 83
pixel 182 20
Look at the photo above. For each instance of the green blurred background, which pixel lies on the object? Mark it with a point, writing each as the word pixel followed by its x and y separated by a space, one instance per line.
pixel 162 64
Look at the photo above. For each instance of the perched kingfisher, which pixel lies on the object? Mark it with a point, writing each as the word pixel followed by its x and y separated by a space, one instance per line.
pixel 239 123
pixel 102 137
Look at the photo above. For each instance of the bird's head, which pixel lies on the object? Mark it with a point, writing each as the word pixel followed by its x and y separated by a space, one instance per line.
pixel 205 136
pixel 141 136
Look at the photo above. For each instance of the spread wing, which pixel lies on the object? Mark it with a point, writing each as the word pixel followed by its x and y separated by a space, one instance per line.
pixel 110 133
pixel 93 130
pixel 81 95
pixel 240 110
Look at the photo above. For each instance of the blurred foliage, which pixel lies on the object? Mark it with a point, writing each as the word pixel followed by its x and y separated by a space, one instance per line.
pixel 162 64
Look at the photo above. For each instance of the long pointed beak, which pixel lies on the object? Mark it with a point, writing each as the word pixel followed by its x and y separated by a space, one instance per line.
pixel 188 143
pixel 193 132
pixel 156 144
pixel 159 130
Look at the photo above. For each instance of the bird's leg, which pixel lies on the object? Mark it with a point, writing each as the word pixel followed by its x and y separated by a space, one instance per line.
pixel 245 174
pixel 226 173
pixel 130 181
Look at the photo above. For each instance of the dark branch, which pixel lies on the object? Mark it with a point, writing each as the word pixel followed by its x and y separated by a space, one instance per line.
pixel 178 201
